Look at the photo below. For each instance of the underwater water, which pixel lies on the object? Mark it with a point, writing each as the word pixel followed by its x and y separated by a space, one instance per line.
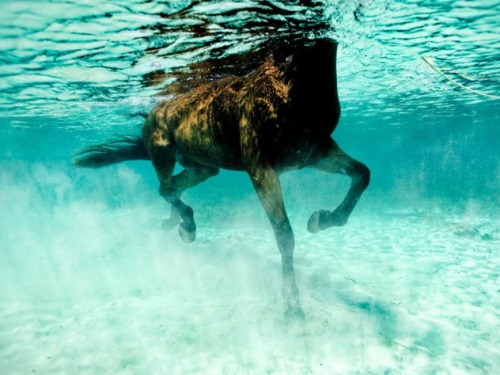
pixel 90 283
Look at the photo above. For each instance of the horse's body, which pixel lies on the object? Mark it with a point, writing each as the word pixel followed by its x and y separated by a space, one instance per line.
pixel 278 118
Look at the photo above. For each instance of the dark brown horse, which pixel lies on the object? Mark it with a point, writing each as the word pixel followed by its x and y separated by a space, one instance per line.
pixel 278 118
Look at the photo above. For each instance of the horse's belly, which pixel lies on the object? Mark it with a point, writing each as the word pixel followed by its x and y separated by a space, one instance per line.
pixel 210 145
pixel 212 158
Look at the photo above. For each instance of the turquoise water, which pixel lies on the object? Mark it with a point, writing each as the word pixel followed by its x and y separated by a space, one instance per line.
pixel 91 284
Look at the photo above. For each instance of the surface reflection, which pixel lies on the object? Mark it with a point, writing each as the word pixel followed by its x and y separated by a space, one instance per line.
pixel 61 53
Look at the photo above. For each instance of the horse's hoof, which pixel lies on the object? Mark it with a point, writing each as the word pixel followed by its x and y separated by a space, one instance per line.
pixel 169 223
pixel 187 232
pixel 323 219
pixel 316 221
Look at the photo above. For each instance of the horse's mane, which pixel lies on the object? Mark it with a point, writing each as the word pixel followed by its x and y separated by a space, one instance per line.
pixel 234 38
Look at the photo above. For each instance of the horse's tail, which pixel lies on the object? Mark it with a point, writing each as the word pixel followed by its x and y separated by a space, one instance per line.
pixel 113 151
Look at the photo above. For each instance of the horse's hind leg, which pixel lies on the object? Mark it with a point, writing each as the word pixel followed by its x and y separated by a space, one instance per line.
pixel 171 188
pixel 330 158
pixel 268 189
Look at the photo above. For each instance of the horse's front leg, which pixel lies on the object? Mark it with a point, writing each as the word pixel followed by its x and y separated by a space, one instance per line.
pixel 164 163
pixel 268 188
pixel 330 158
pixel 171 188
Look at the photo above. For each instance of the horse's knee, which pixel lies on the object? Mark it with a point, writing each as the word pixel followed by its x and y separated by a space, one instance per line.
pixel 361 175
pixel 366 175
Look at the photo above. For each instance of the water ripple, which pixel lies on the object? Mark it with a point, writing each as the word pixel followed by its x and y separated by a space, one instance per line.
pixel 60 53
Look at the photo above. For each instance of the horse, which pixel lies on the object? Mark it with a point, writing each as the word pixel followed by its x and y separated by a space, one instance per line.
pixel 278 118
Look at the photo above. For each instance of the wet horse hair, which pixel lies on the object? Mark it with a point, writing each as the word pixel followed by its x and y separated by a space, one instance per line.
pixel 278 118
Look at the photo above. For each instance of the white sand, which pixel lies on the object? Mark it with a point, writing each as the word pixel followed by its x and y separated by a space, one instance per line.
pixel 92 285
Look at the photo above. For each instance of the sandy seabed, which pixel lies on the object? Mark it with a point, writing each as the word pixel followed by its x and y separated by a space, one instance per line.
pixel 97 287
